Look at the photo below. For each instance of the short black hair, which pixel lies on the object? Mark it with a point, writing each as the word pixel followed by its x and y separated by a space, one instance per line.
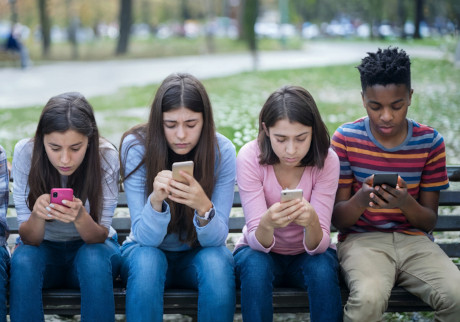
pixel 387 66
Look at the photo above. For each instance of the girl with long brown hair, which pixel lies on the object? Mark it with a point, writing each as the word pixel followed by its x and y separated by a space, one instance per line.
pixel 70 244
pixel 178 230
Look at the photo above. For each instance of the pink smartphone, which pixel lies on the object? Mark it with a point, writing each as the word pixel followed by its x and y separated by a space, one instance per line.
pixel 59 194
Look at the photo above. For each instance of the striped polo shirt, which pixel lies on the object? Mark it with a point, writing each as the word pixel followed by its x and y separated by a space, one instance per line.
pixel 420 160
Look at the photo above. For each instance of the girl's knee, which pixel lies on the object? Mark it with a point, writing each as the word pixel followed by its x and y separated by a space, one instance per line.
pixel 216 262
pixel 253 261
pixel 25 257
pixel 144 266
pixel 96 254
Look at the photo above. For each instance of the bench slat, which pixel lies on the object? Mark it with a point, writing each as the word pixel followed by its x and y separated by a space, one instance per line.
pixel 285 300
pixel 184 301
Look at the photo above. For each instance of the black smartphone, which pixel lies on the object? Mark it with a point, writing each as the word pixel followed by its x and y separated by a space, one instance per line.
pixel 390 179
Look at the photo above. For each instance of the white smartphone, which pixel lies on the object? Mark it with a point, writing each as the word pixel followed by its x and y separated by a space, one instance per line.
pixel 290 194
pixel 186 166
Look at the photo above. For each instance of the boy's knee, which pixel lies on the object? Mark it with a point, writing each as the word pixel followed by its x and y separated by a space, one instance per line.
pixel 370 293
pixel 449 300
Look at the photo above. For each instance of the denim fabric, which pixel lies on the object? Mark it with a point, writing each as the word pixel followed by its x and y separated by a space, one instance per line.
pixel 257 273
pixel 4 268
pixel 74 264
pixel 149 270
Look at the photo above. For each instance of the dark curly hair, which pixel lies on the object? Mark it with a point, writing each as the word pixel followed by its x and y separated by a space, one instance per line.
pixel 387 66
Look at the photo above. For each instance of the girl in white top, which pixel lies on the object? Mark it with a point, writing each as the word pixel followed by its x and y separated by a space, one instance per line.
pixel 70 245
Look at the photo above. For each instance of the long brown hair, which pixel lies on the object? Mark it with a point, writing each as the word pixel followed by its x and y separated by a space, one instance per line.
pixel 68 111
pixel 296 104
pixel 177 91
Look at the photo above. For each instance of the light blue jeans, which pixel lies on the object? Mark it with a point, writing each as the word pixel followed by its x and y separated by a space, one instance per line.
pixel 257 273
pixel 149 270
pixel 73 264
pixel 4 268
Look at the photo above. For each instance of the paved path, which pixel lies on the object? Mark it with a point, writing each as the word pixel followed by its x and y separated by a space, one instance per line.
pixel 34 86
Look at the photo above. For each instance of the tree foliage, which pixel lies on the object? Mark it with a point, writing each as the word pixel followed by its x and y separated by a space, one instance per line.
pixel 43 15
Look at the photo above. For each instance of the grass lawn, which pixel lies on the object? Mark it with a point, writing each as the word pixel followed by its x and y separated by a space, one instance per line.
pixel 238 99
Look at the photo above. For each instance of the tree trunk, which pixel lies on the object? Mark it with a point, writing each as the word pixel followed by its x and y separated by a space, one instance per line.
pixel 45 27
pixel 418 18
pixel 125 26
pixel 250 12
pixel 402 16
pixel 185 15
pixel 72 28
pixel 14 12
pixel 457 55
pixel 209 33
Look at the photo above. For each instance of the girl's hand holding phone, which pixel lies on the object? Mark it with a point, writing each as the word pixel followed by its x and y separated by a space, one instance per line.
pixel 281 214
pixel 41 207
pixel 190 194
pixel 307 215
pixel 161 189
pixel 70 211
pixel 67 212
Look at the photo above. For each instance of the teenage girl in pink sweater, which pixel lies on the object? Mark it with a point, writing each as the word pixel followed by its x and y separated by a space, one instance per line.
pixel 288 243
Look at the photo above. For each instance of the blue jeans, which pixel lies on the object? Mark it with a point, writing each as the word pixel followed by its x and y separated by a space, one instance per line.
pixel 149 270
pixel 73 264
pixel 4 267
pixel 257 273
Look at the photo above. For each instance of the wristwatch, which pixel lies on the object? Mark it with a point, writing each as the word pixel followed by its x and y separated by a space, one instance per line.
pixel 209 214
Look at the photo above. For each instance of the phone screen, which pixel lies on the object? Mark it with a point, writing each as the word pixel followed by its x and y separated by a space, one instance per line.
pixel 390 179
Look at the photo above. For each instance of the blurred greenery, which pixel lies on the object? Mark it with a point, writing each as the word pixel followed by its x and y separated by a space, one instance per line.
pixel 101 49
pixel 238 99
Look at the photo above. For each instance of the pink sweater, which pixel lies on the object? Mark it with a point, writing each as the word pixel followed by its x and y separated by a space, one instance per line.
pixel 259 189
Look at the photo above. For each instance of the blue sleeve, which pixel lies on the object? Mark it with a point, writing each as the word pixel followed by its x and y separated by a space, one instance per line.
pixel 216 231
pixel 148 226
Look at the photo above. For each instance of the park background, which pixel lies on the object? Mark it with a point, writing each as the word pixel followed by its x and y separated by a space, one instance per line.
pixel 255 47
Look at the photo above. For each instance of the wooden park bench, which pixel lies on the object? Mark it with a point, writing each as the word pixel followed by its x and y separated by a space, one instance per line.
pixel 285 300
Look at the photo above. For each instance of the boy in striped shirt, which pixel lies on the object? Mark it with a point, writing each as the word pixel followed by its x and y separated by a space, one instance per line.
pixel 384 232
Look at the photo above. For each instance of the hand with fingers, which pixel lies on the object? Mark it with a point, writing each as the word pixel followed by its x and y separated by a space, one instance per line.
pixel 42 207
pixel 280 215
pixel 69 212
pixel 306 214
pixel 161 189
pixel 387 197
pixel 190 194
